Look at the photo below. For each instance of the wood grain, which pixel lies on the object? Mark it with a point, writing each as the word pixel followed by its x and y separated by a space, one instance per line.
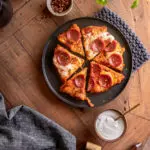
pixel 133 135
pixel 22 81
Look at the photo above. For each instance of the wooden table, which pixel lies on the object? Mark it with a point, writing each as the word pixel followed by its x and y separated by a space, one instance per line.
pixel 22 81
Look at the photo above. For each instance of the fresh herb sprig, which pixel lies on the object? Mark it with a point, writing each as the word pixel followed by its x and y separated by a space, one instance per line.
pixel 104 2
pixel 135 4
pixel 101 2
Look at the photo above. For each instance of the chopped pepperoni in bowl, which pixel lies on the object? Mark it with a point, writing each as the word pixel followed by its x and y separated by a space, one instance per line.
pixel 79 81
pixel 62 58
pixel 115 60
pixel 105 80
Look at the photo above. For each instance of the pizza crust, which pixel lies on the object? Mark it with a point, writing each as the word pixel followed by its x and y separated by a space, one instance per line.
pixel 74 45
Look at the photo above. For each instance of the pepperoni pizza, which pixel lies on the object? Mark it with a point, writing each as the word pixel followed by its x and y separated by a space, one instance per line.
pixel 65 62
pixel 112 56
pixel 102 78
pixel 95 40
pixel 72 39
pixel 75 86
pixel 101 49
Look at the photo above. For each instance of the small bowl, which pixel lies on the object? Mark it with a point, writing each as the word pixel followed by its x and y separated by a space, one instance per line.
pixel 48 3
pixel 125 123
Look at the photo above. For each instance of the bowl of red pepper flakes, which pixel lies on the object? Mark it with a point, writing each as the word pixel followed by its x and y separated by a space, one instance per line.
pixel 59 7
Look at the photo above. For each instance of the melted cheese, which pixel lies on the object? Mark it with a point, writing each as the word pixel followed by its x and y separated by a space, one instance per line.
pixel 64 69
pixel 88 35
pixel 103 35
pixel 92 53
pixel 107 36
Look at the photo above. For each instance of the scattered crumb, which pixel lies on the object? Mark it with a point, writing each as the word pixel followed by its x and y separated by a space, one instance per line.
pixel 41 5
pixel 125 109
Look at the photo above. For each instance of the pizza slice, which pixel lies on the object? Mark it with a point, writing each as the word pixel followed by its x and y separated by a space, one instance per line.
pixel 102 78
pixel 96 38
pixel 65 62
pixel 72 39
pixel 75 86
pixel 112 56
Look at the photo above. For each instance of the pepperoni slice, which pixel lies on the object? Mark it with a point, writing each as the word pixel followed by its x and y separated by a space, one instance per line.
pixel 96 69
pixel 88 30
pixel 62 58
pixel 115 60
pixel 73 35
pixel 91 84
pixel 97 45
pixel 111 47
pixel 79 81
pixel 105 81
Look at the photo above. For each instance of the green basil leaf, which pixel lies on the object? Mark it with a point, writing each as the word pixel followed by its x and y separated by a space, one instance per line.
pixel 135 4
pixel 101 2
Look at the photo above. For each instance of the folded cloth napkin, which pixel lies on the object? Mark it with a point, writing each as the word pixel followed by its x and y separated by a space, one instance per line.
pixel 23 128
pixel 139 53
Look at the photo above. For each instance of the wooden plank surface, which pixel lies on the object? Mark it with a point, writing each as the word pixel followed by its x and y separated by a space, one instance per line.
pixel 22 82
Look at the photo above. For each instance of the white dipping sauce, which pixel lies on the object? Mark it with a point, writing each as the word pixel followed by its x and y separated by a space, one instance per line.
pixel 107 127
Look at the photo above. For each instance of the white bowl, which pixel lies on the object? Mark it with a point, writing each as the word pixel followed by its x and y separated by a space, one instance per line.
pixel 123 119
pixel 48 3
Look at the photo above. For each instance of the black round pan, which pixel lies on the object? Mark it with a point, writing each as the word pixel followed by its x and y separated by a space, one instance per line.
pixel 53 80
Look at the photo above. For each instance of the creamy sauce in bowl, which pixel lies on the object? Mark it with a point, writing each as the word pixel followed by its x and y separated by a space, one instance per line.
pixel 107 127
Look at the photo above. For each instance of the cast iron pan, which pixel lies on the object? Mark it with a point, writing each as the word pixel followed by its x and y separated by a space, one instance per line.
pixel 52 77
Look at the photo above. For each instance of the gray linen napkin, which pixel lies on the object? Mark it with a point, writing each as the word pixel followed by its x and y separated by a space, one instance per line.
pixel 23 128
pixel 139 53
